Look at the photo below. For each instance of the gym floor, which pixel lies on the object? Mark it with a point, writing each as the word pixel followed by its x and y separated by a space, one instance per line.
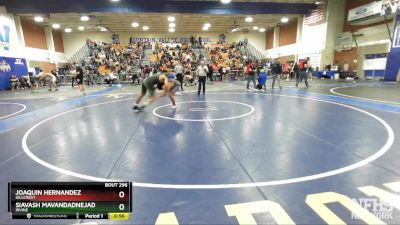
pixel 227 157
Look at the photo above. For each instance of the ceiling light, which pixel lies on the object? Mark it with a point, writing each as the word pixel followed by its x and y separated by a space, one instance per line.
pixel 68 30
pixel 172 25
pixel 171 19
pixel 115 0
pixel 262 30
pixel 145 28
pixel 84 18
pixel 255 28
pixel 205 28
pixel 225 1
pixel 207 25
pixel 135 24
pixel 56 26
pixel 249 19
pixel 171 30
pixel 285 20
pixel 39 19
pixel 81 28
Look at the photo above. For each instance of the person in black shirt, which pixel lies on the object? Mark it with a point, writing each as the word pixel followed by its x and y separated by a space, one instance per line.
pixel 296 70
pixel 276 73
pixel 210 72
pixel 79 78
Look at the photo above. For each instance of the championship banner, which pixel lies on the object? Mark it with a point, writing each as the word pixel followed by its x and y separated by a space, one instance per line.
pixel 11 66
pixel 374 8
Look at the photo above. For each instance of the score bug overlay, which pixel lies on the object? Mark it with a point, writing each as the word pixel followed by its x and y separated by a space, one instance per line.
pixel 69 200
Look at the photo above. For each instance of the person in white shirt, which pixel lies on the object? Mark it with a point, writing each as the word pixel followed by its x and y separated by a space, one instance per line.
pixel 112 78
pixel 346 67
pixel 53 79
pixel 188 58
pixel 39 78
pixel 179 74
pixel 202 71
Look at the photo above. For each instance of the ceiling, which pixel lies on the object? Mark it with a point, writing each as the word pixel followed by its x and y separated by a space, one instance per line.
pixel 158 22
pixel 190 14
pixel 284 1
pixel 161 6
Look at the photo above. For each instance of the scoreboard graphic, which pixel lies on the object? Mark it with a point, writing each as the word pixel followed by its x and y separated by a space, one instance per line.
pixel 49 200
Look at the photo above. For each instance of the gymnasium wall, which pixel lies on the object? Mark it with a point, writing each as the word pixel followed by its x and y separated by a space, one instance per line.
pixel 45 66
pixel 270 39
pixel 36 42
pixel 372 38
pixel 349 56
pixel 288 33
pixel 58 41
pixel 34 35
pixel 335 17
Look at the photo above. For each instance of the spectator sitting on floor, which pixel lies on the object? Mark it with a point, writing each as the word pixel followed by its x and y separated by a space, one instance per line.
pixel 24 82
pixel 14 82
pixel 112 78
pixel 188 79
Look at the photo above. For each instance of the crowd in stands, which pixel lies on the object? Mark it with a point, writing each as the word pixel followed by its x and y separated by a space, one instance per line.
pixel 108 60
pixel 192 39
pixel 227 58
pixel 221 59
pixel 111 63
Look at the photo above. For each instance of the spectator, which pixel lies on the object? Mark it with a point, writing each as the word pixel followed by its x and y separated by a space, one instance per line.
pixel 53 80
pixel 346 67
pixel 179 74
pixel 210 72
pixel 251 70
pixel 304 67
pixel 276 73
pixel 34 82
pixel 14 83
pixel 79 78
pixel 24 82
pixel 296 71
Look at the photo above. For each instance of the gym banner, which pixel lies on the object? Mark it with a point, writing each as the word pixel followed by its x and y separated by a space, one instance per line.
pixel 9 44
pixel 374 8
pixel 375 61
pixel 393 65
pixel 11 66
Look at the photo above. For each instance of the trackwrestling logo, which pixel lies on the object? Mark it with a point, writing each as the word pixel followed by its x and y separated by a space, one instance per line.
pixel 5 67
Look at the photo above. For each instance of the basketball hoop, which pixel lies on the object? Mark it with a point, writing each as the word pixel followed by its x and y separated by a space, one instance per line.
pixel 344 43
